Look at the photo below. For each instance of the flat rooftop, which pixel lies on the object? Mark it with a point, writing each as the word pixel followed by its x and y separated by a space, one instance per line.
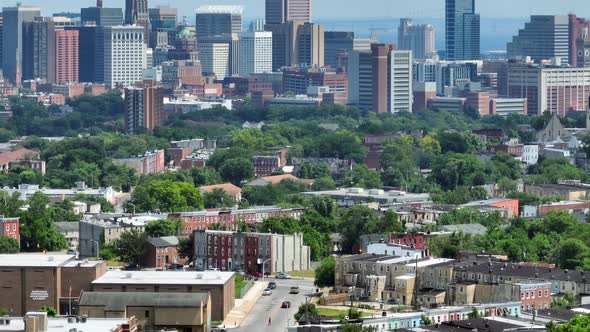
pixel 61 325
pixel 83 263
pixel 163 278
pixel 34 260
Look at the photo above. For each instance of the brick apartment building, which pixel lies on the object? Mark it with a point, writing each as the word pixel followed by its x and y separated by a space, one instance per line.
pixel 150 162
pixel 250 252
pixel 230 219
pixel 10 228
pixel 161 252
pixel 268 164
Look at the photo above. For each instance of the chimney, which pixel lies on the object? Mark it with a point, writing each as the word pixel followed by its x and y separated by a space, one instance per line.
pixel 99 3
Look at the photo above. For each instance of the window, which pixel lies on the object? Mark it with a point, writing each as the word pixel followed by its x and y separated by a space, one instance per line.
pixel 147 314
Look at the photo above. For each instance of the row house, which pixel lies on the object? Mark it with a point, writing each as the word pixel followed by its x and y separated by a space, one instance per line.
pixel 252 253
pixel 231 219
pixel 10 228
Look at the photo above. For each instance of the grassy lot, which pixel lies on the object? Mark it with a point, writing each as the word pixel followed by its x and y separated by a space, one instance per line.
pixel 337 313
pixel 240 284
pixel 309 274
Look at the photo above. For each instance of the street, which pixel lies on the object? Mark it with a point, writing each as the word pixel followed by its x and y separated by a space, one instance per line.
pixel 270 306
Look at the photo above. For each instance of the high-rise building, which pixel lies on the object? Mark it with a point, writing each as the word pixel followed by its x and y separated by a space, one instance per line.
pixel 310 45
pixel 381 80
pixel 144 107
pixel 554 89
pixel 124 55
pixel 163 22
pixel 185 47
pixel 583 53
pixel 462 30
pixel 215 59
pixel 216 20
pixel 48 51
pixel 360 79
pixel 579 30
pixel 544 37
pixel 400 82
pixel 66 56
pixel 233 42
pixel 336 45
pixel 102 17
pixel 284 38
pixel 90 53
pixel 137 12
pixel 416 38
pixel 1 35
pixel 12 39
pixel 256 25
pixel 255 52
pixel 283 11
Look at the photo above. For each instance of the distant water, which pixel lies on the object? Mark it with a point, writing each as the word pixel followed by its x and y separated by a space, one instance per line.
pixel 495 32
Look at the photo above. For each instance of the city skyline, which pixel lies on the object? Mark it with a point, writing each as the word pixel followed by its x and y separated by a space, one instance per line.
pixel 324 9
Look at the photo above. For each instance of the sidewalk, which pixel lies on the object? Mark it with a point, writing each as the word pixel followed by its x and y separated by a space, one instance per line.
pixel 243 306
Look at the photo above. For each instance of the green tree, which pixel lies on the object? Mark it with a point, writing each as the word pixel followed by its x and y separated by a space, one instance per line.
pixel 37 229
pixel 363 177
pixel 306 308
pixel 218 198
pixel 474 314
pixel 579 323
pixel 8 245
pixel 237 170
pixel 425 320
pixel 348 327
pixel 186 247
pixel 324 274
pixel 167 196
pixel 323 184
pixel 571 253
pixel 390 223
pixel 167 227
pixel 131 246
pixel 51 312
pixel 356 221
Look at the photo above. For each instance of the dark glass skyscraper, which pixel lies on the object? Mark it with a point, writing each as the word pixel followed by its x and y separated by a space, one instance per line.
pixel 137 12
pixel 102 17
pixel 462 30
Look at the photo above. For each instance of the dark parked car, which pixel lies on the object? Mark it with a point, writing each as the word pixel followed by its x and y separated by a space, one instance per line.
pixel 286 305
pixel 272 285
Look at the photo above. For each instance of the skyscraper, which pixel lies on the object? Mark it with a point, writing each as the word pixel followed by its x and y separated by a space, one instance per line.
pixel 310 45
pixel 124 55
pixel 462 30
pixel 215 59
pixel 12 39
pixel 579 30
pixel 214 21
pixel 255 52
pixel 337 43
pixel 66 56
pixel 416 38
pixel 282 11
pixel 163 23
pixel 543 38
pixel 102 17
pixel 137 12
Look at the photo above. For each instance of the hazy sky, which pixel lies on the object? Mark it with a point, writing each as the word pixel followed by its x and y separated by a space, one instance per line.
pixel 350 8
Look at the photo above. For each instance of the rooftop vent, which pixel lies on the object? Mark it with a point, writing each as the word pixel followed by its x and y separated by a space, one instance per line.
pixel 128 275
pixel 199 276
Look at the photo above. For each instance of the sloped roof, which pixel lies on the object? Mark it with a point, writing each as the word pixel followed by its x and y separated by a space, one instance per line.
pixel 164 241
pixel 227 187
pixel 15 155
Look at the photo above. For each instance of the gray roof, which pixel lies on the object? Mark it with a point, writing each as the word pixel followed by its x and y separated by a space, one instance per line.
pixel 475 229
pixel 115 301
pixel 68 226
pixel 164 241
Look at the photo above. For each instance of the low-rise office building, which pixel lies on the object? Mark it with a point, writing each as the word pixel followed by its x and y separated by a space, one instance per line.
pixel 357 196
pixel 219 285
pixel 58 195
pixel 151 311
pixel 31 281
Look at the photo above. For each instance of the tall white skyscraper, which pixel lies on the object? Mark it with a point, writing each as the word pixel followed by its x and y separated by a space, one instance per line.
pixel 255 52
pixel 215 59
pixel 400 84
pixel 124 55
pixel 417 38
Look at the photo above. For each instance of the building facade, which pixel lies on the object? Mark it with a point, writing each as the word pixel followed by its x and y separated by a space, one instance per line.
pixel 255 52
pixel 250 252
pixel 12 39
pixel 144 107
pixel 101 17
pixel 282 11
pixel 215 59
pixel 137 13
pixel 124 55
pixel 462 30
pixel 544 37
pixel 416 38
pixel 215 20
pixel 10 228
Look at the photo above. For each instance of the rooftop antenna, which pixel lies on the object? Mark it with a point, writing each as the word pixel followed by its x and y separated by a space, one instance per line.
pixel 99 3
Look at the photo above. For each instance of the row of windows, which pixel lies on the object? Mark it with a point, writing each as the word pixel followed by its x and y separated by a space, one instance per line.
pixel 8 227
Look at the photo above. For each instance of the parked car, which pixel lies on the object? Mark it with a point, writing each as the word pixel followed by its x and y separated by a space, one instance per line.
pixel 283 276
pixel 267 292
pixel 178 267
pixel 286 305
pixel 257 274
pixel 72 251
pixel 272 285
pixel 294 290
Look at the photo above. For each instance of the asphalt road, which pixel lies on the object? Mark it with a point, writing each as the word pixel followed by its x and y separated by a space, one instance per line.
pixel 270 306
